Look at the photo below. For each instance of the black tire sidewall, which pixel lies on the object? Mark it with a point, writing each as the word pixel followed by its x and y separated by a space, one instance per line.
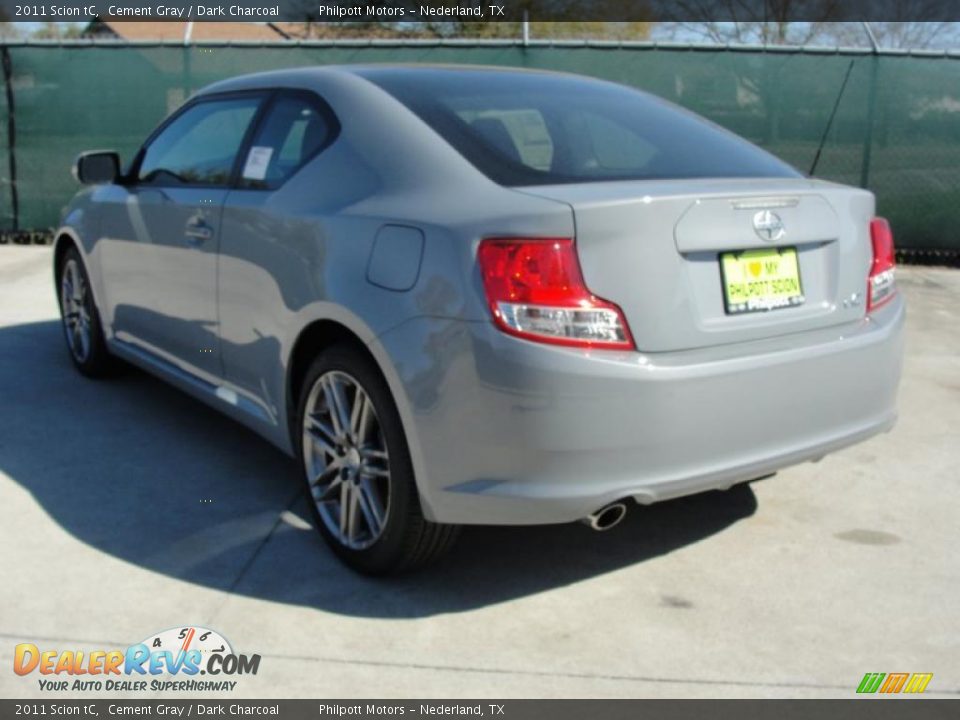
pixel 404 514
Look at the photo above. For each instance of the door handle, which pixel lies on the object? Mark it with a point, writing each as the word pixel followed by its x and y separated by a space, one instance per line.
pixel 198 232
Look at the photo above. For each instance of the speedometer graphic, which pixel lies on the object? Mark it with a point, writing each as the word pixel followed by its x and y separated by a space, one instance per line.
pixel 180 640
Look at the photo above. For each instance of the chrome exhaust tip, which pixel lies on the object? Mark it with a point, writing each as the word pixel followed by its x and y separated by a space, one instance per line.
pixel 607 517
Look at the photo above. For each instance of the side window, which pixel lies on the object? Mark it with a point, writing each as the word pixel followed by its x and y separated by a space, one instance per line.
pixel 200 146
pixel 293 131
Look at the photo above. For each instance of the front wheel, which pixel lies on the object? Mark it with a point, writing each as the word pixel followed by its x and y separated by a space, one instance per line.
pixel 359 477
pixel 81 320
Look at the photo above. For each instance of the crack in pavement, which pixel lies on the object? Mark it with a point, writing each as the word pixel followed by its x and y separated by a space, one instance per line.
pixel 228 592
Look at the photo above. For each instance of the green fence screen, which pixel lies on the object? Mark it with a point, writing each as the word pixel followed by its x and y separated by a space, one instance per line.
pixel 895 117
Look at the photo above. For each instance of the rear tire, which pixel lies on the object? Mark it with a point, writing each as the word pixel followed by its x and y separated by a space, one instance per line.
pixel 357 470
pixel 80 318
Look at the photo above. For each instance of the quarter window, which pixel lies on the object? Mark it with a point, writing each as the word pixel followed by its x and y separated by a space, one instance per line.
pixel 293 131
pixel 200 146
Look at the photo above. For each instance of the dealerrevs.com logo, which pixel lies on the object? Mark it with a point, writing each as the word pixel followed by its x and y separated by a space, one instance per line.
pixel 166 661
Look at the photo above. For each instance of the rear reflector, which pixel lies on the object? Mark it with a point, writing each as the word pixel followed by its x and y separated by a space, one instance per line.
pixel 882 282
pixel 536 291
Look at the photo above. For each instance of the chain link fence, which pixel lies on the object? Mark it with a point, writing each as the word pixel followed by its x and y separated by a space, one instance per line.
pixel 888 121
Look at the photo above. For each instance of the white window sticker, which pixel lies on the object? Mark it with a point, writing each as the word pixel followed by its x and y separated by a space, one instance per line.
pixel 257 162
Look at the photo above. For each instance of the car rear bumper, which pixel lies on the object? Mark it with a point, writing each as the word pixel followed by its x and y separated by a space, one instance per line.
pixel 504 431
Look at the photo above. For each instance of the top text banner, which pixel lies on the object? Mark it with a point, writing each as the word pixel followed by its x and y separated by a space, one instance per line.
pixel 435 11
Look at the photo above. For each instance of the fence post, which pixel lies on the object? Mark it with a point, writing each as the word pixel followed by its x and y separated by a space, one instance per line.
pixel 186 73
pixel 187 38
pixel 871 108
pixel 11 136
pixel 871 111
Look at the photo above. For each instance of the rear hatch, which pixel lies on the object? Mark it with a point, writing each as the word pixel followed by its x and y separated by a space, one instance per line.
pixel 698 263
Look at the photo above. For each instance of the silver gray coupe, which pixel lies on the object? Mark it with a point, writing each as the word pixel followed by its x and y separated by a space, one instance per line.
pixel 473 295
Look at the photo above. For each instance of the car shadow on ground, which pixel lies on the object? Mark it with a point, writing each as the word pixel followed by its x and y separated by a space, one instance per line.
pixel 140 471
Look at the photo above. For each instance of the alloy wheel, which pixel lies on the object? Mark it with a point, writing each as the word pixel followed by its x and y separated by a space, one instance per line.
pixel 346 460
pixel 77 310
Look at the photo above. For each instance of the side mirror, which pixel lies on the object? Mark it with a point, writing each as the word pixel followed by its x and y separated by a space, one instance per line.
pixel 97 167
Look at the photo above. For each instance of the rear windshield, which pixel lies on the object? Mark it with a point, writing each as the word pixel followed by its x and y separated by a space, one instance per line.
pixel 522 128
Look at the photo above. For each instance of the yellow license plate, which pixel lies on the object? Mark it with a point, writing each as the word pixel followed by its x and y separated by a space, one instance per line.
pixel 759 280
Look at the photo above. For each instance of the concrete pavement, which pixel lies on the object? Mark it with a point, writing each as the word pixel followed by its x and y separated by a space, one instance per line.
pixel 127 508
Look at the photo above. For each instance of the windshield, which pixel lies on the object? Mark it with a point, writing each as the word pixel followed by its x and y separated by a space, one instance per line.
pixel 526 128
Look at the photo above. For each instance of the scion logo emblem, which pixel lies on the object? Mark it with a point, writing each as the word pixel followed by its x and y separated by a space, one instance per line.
pixel 769 226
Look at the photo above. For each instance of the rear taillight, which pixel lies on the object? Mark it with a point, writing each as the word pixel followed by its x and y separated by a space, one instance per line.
pixel 882 283
pixel 536 291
